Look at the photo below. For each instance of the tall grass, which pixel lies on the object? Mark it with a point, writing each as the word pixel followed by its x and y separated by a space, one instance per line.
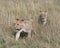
pixel 47 36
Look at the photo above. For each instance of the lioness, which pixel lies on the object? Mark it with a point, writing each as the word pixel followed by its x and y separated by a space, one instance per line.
pixel 43 17
pixel 25 25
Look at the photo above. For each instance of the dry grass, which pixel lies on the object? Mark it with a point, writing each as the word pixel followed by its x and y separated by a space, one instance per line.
pixel 47 36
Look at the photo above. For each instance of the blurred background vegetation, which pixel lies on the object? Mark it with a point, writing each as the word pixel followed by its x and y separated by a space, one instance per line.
pixel 47 36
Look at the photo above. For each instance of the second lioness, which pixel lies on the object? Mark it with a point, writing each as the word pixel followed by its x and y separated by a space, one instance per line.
pixel 43 17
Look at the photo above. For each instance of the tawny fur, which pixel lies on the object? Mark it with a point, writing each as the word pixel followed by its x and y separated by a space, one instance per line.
pixel 43 18
pixel 24 25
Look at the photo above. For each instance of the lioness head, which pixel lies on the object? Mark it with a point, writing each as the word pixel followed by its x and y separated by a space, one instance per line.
pixel 18 24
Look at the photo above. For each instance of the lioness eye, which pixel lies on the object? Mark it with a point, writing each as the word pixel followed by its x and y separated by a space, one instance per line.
pixel 17 24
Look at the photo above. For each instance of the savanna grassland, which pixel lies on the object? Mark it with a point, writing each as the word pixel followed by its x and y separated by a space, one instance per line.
pixel 46 37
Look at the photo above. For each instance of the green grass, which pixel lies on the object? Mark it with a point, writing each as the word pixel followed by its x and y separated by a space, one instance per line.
pixel 47 36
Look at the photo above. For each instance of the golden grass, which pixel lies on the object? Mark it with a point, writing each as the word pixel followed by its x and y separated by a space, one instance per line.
pixel 47 36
